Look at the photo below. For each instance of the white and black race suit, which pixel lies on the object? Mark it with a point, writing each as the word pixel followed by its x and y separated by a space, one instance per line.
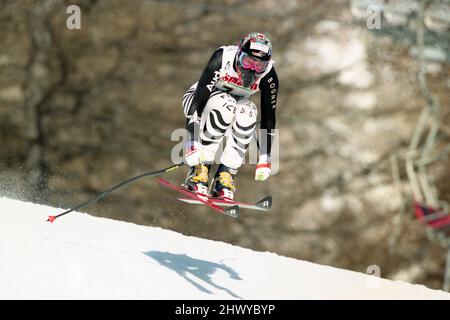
pixel 223 107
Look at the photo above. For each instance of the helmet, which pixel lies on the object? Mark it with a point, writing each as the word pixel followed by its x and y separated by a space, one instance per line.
pixel 253 56
pixel 256 45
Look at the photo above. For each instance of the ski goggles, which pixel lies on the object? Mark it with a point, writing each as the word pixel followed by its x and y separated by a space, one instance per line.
pixel 248 62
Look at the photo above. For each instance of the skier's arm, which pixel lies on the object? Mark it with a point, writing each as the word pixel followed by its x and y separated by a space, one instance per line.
pixel 269 90
pixel 204 88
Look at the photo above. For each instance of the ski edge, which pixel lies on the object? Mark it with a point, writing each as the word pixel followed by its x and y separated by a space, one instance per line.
pixel 262 205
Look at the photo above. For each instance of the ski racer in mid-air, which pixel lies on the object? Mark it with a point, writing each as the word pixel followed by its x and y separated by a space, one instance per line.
pixel 218 105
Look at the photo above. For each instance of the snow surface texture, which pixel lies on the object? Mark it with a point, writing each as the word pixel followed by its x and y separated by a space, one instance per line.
pixel 84 257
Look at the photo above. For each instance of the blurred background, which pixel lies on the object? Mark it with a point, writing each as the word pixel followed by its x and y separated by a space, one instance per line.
pixel 363 116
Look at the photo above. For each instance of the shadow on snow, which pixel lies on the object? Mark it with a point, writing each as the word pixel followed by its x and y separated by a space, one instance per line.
pixel 201 269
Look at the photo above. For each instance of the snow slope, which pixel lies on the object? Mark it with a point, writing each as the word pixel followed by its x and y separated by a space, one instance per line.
pixel 84 257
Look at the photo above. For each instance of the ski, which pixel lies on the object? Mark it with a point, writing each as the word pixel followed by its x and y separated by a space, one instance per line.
pixel 232 211
pixel 263 205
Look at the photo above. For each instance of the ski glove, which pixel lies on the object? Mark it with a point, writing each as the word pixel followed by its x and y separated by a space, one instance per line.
pixel 263 168
pixel 193 156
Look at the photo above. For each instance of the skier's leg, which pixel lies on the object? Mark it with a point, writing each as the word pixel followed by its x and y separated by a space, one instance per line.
pixel 197 176
pixel 187 99
pixel 237 144
pixel 241 134
pixel 216 118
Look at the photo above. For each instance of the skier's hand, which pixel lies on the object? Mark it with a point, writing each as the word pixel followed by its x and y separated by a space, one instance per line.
pixel 263 169
pixel 193 155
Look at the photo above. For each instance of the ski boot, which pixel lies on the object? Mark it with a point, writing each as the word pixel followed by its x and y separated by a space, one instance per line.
pixel 224 182
pixel 197 179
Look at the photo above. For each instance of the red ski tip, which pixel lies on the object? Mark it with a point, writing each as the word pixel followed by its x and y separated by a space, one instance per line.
pixel 51 218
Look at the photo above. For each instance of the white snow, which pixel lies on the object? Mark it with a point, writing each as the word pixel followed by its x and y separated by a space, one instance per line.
pixel 84 257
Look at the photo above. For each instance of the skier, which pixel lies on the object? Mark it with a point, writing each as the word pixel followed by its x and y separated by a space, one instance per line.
pixel 218 105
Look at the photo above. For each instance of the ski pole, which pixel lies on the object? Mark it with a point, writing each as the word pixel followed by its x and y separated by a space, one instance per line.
pixel 124 183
